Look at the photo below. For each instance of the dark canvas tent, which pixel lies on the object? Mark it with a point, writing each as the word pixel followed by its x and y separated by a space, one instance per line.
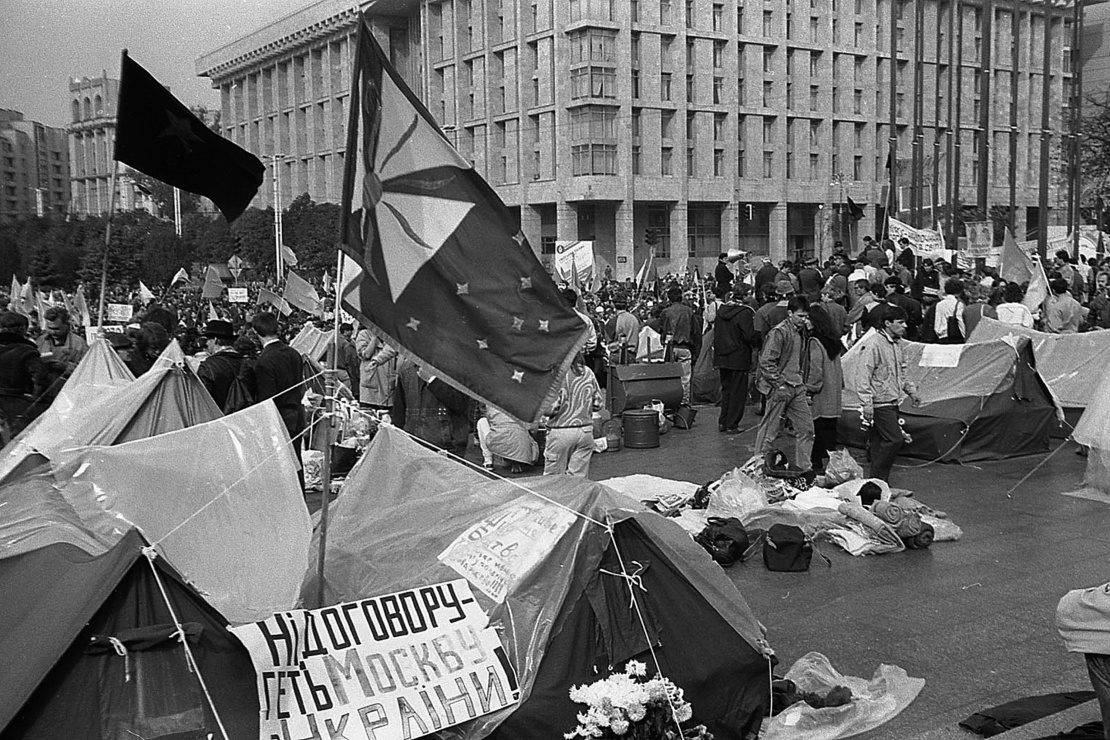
pixel 989 405
pixel 63 678
pixel 566 619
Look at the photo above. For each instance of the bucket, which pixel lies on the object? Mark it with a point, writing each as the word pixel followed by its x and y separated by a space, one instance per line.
pixel 641 428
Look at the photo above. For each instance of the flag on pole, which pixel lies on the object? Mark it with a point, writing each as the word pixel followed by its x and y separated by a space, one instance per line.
pixel 14 303
pixel 270 298
pixel 645 269
pixel 299 293
pixel 444 270
pixel 27 298
pixel 145 294
pixel 157 135
pixel 82 306
pixel 213 286
pixel 73 313
pixel 181 276
pixel 288 256
pixel 40 308
pixel 212 314
pixel 1015 266
pixel 327 282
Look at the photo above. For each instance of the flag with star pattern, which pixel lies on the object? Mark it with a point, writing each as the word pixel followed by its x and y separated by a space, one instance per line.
pixel 444 273
pixel 157 135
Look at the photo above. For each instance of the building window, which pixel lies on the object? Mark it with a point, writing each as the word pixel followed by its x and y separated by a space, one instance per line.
pixel 635 159
pixel 690 88
pixel 689 13
pixel 768 23
pixel 813 28
pixel 593 82
pixel 718 54
pixel 767 91
pixel 718 17
pixel 768 165
pixel 601 10
pixel 859 35
pixel 597 45
pixel 665 166
pixel 741 98
pixel 789 165
pixel 594 159
pixel 857 102
pixel 593 122
pixel 635 84
pixel 664 12
pixel 740 163
pixel 857 167
pixel 659 221
pixel 636 117
pixel 768 60
pixel 665 86
pixel 814 166
pixel 718 90
pixel 666 124
pixel 703 230
pixel 814 63
pixel 634 10
pixel 740 19
pixel 814 91
pixel 691 162
pixel 718 163
pixel 719 127
pixel 768 130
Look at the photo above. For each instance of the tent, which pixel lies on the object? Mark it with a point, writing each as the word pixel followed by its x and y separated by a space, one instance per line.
pixel 113 410
pixel 982 401
pixel 1072 365
pixel 563 611
pixel 88 648
pixel 1093 430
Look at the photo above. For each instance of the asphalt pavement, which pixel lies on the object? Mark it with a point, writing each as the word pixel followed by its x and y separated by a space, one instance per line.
pixel 974 618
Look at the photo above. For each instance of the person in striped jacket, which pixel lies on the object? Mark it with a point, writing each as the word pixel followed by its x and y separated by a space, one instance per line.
pixel 570 438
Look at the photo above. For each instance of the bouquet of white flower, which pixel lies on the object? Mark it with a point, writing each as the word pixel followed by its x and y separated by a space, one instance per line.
pixel 631 707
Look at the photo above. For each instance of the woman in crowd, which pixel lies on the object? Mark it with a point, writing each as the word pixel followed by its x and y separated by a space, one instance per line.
pixel 1012 310
pixel 825 352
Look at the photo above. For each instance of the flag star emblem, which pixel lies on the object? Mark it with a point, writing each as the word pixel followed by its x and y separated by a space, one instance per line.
pixel 462 288
pixel 413 324
pixel 518 376
pixel 483 344
pixel 519 238
pixel 525 283
pixel 545 325
pixel 518 323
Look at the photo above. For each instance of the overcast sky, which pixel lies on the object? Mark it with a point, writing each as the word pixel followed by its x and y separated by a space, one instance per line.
pixel 46 43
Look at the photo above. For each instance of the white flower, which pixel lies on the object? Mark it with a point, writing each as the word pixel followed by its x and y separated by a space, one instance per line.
pixel 619 727
pixel 683 712
pixel 635 668
pixel 637 712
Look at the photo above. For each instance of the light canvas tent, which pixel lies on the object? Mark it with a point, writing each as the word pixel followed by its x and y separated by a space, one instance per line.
pixel 1072 365
pixel 982 401
pixel 564 617
pixel 1093 430
pixel 65 678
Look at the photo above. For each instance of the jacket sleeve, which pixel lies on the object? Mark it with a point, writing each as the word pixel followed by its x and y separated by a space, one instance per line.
pixel 365 345
pixel 908 386
pixel 769 358
pixel 745 321
pixel 815 378
pixel 865 368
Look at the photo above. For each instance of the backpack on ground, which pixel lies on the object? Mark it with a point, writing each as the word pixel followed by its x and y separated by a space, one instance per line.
pixel 787 549
pixel 724 539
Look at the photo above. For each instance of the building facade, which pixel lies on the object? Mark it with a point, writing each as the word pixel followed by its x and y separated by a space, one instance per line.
pixel 693 126
pixel 92 141
pixel 34 168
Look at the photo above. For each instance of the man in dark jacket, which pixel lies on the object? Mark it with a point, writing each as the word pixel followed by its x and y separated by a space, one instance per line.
pixel 733 335
pixel 428 408
pixel 21 376
pixel 679 328
pixel 222 366
pixel 279 374
pixel 722 273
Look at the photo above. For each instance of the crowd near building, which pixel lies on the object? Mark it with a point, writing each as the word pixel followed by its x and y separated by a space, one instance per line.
pixel 713 124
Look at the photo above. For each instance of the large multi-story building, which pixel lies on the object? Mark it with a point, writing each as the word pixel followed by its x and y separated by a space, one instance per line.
pixel 92 141
pixel 34 167
pixel 699 125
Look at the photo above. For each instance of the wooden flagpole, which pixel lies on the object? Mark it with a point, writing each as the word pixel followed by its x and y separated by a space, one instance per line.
pixel 329 434
pixel 108 225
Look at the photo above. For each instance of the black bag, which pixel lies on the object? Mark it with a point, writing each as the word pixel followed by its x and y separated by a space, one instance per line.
pixel 240 394
pixel 684 417
pixel 955 336
pixel 787 549
pixel 724 539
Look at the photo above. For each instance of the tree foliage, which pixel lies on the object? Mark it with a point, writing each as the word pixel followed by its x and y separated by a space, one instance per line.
pixel 57 253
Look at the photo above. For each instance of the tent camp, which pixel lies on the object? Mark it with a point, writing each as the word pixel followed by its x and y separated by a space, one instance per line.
pixel 982 401
pixel 1072 365
pixel 89 650
pixel 114 409
pixel 1093 430
pixel 563 610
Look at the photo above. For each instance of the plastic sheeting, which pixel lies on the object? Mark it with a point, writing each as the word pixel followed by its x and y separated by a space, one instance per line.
pixel 311 342
pixel 1093 430
pixel 246 550
pixel 874 702
pixel 1072 365
pixel 33 514
pixel 404 498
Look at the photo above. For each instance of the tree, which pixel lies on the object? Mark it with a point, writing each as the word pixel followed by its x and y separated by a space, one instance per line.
pixel 312 230
pixel 253 234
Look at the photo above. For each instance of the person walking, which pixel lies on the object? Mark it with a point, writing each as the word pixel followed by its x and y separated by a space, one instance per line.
pixel 733 341
pixel 570 437
pixel 881 381
pixel 781 379
pixel 279 374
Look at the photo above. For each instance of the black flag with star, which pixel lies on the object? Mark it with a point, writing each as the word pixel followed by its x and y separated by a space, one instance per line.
pixel 157 135
pixel 443 270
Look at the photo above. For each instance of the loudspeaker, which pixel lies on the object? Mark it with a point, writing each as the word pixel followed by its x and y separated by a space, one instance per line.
pixel 635 386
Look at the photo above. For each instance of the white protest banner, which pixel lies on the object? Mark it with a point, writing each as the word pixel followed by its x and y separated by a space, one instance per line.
pixel 503 548
pixel 925 243
pixel 403 665
pixel 238 295
pixel 120 312
pixel 980 235
pixel 570 255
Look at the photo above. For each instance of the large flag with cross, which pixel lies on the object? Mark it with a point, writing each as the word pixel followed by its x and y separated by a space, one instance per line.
pixel 444 272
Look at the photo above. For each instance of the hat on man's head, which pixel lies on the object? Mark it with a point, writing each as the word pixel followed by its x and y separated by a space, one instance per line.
pixel 811 261
pixel 784 287
pixel 219 329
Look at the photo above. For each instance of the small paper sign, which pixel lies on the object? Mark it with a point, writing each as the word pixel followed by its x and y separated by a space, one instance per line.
pixel 238 295
pixel 120 312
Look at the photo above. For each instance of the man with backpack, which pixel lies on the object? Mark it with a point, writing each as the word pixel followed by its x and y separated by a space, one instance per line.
pixel 223 364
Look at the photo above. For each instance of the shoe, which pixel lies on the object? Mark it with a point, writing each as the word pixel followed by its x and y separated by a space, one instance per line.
pixel 488 465
pixel 515 469
pixel 732 430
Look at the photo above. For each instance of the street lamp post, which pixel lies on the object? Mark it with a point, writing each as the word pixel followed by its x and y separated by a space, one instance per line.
pixel 275 164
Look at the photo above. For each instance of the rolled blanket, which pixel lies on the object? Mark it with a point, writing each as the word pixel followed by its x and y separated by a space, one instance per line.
pixel 910 525
pixel 882 532
pixel 889 512
pixel 921 540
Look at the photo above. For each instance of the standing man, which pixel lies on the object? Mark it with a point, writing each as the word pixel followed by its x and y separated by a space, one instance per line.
pixel 678 328
pixel 733 337
pixel 882 380
pixel 58 344
pixel 21 376
pixel 1062 314
pixel 279 374
pixel 220 369
pixel 782 366
pixel 722 274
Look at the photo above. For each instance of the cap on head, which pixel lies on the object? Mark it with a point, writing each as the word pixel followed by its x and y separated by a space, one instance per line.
pixel 784 287
pixel 219 329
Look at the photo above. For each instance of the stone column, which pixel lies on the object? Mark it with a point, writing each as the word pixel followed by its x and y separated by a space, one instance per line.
pixel 777 226
pixel 530 224
pixel 625 241
pixel 566 222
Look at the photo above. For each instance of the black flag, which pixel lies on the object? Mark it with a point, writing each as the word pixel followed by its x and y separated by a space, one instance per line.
pixel 157 135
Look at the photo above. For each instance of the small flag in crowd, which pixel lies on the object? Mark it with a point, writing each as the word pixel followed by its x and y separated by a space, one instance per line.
pixel 212 314
pixel 1015 266
pixel 855 211
pixel 444 270
pixel 14 302
pixel 179 277
pixel 213 286
pixel 157 135
pixel 145 294
pixel 288 256
pixel 299 293
pixel 82 305
pixel 270 298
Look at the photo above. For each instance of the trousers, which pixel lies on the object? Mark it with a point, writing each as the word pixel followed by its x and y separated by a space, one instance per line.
pixel 788 402
pixel 568 451
pixel 734 395
pixel 885 441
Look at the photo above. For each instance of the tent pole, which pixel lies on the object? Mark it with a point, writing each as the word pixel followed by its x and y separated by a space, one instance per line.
pixel 329 429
